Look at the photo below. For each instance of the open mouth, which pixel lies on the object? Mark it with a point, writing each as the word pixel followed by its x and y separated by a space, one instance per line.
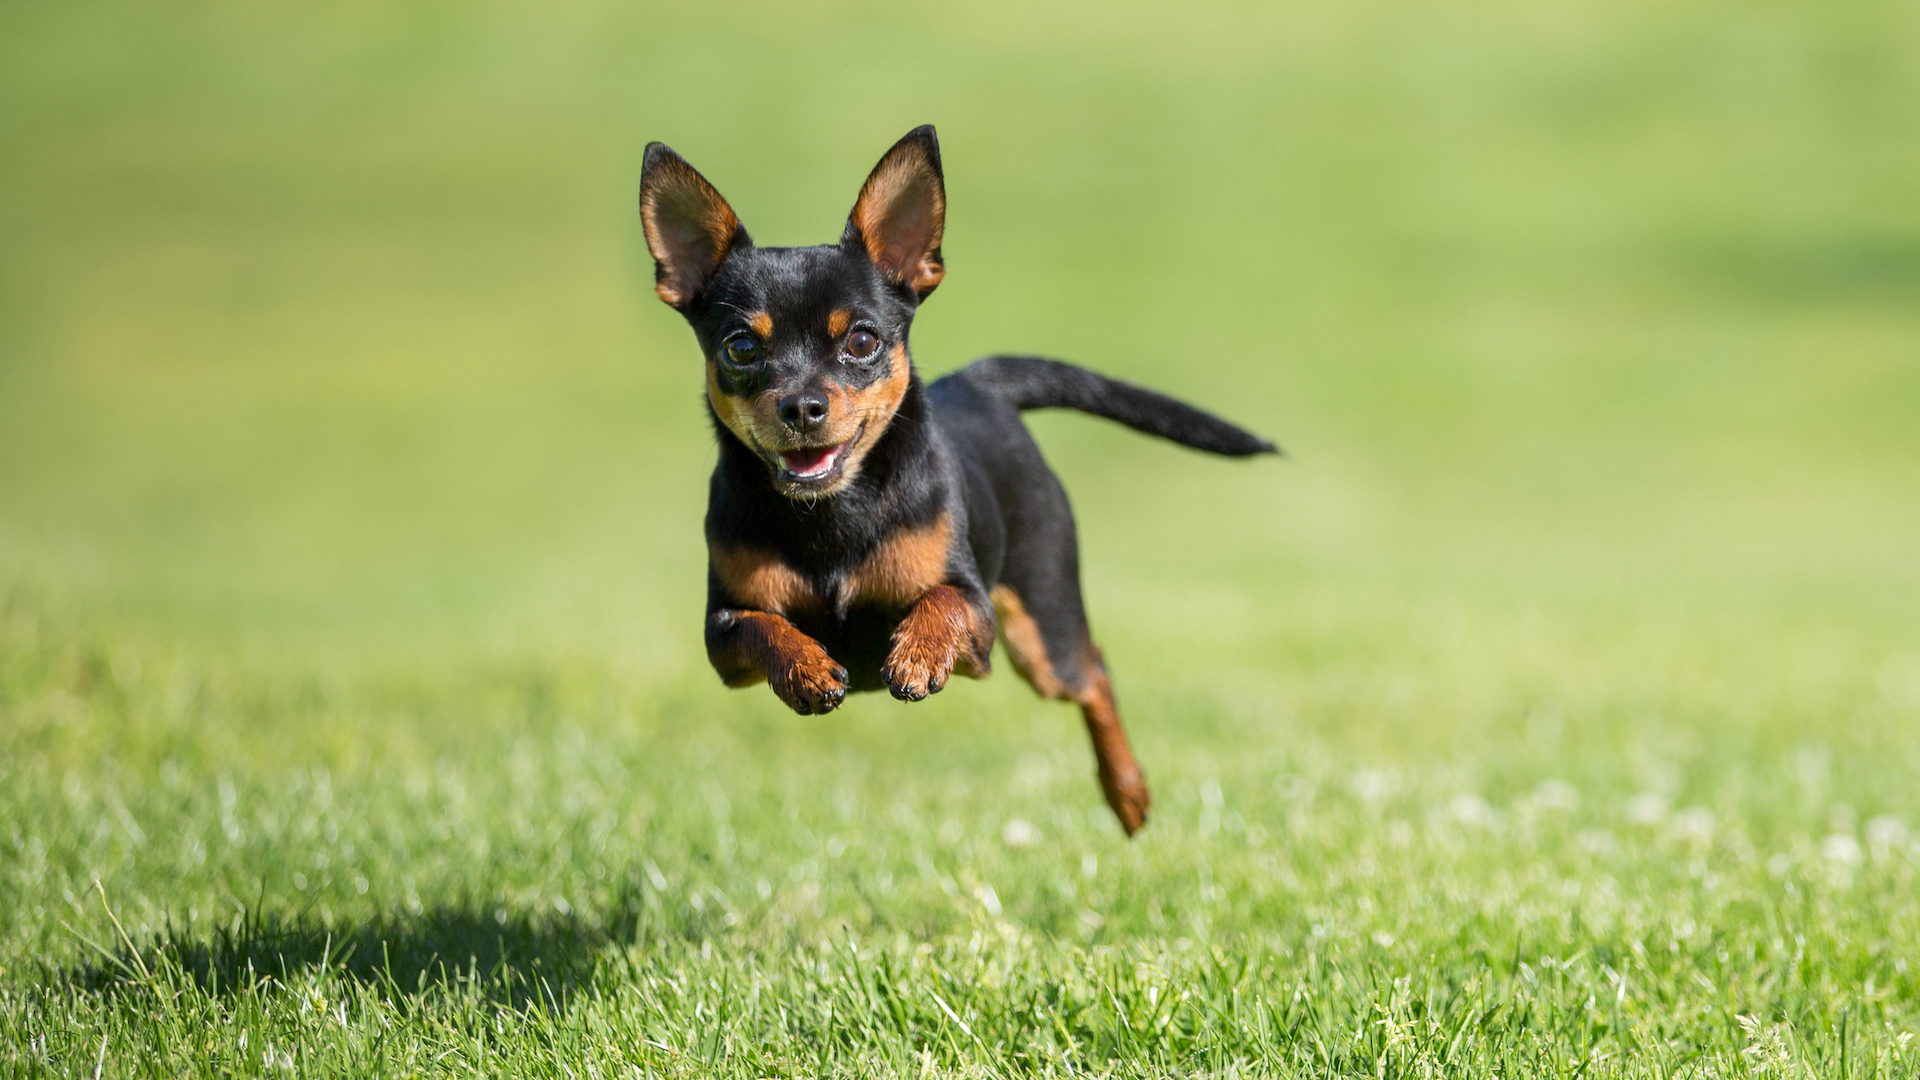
pixel 811 463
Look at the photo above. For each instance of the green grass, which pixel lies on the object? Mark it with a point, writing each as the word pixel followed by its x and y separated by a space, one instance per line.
pixel 1554 710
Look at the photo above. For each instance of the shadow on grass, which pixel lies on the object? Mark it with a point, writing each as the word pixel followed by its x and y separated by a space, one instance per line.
pixel 473 947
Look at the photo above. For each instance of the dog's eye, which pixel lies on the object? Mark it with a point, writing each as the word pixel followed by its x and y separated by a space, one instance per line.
pixel 743 349
pixel 861 344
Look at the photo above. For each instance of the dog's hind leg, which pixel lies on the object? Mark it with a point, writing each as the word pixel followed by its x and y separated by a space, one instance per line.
pixel 1044 627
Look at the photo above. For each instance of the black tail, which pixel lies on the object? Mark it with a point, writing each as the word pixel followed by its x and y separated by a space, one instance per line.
pixel 1029 382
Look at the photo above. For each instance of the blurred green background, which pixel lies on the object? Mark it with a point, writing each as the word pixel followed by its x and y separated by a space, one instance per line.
pixel 326 341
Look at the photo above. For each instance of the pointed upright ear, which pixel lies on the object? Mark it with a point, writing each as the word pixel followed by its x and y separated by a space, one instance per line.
pixel 901 213
pixel 690 228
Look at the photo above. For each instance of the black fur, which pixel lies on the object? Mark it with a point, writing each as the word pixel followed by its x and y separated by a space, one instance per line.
pixel 954 453
pixel 1030 382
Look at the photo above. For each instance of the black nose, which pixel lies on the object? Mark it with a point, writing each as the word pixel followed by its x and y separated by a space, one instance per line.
pixel 803 412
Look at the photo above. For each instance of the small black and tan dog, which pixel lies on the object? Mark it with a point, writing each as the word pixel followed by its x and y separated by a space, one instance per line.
pixel 865 529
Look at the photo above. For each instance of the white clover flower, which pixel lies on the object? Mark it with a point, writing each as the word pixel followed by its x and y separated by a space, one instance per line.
pixel 1470 809
pixel 1885 835
pixel 1647 808
pixel 1556 795
pixel 1694 825
pixel 1841 848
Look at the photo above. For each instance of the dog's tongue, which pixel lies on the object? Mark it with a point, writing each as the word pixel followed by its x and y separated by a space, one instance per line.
pixel 809 462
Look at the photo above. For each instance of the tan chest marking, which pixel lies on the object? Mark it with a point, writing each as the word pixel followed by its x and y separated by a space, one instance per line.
pixel 903 567
pixel 899 572
pixel 760 580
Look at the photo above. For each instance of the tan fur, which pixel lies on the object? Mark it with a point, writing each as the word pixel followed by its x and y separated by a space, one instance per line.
pixel 875 405
pixel 762 324
pixel 738 414
pixel 1024 645
pixel 904 567
pixel 898 573
pixel 768 647
pixel 760 580
pixel 1121 780
pixel 837 322
pixel 941 635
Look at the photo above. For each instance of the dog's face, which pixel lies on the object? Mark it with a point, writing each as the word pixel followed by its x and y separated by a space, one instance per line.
pixel 806 347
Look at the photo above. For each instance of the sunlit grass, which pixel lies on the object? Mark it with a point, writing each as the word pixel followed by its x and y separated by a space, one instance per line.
pixel 550 865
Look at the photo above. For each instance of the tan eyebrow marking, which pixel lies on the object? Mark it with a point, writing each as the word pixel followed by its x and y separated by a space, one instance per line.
pixel 838 321
pixel 762 323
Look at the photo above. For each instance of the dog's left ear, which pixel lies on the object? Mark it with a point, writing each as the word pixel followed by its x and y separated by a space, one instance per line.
pixel 901 213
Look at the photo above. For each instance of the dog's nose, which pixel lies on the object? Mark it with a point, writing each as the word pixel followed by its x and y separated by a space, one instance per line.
pixel 803 412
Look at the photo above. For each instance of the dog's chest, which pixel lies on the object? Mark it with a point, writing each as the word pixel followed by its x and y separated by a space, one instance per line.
pixel 895 573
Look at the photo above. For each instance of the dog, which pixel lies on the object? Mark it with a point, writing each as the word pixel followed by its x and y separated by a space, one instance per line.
pixel 866 529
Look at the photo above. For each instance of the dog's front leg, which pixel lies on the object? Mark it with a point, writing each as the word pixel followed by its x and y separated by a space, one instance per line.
pixel 944 630
pixel 748 646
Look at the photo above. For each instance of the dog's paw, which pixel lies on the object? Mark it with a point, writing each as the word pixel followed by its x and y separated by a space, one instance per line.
pixel 811 683
pixel 919 665
pixel 1127 793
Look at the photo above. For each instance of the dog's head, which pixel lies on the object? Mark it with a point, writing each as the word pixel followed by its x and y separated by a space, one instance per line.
pixel 806 347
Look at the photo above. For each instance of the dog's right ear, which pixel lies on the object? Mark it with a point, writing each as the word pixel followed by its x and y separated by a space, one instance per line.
pixel 690 228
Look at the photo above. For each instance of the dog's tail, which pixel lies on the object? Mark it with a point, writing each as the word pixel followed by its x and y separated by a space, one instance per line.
pixel 1029 382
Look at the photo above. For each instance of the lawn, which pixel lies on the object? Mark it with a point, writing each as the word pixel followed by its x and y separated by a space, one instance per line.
pixel 1552 710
